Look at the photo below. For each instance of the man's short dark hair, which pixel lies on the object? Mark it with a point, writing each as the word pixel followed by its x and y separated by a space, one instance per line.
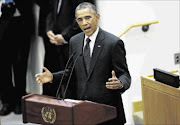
pixel 85 5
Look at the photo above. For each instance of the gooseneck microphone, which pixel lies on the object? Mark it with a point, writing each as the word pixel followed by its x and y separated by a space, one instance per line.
pixel 57 93
pixel 70 75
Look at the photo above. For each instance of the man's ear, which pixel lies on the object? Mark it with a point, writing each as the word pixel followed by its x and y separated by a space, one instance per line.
pixel 76 20
pixel 98 16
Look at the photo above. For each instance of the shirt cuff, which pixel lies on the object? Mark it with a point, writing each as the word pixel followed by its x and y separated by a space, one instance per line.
pixel 122 86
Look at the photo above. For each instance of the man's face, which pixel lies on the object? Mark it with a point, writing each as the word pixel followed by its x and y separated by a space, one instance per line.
pixel 87 20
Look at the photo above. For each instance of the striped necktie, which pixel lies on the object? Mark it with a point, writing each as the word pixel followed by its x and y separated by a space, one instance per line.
pixel 87 58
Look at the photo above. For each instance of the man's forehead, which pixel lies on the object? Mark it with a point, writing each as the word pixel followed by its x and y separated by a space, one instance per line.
pixel 84 12
pixel 85 15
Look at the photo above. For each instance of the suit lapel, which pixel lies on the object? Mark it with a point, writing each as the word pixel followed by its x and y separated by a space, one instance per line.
pixel 79 48
pixel 96 51
pixel 80 51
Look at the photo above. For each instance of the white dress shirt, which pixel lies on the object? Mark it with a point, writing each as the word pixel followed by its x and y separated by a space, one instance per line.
pixel 93 39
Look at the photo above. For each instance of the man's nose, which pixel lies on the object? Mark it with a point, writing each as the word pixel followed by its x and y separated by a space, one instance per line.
pixel 84 22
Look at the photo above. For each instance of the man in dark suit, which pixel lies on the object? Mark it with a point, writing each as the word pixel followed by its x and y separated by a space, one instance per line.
pixel 16 24
pixel 60 27
pixel 104 76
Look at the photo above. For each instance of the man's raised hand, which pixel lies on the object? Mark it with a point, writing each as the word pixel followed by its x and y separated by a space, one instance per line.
pixel 44 77
pixel 113 83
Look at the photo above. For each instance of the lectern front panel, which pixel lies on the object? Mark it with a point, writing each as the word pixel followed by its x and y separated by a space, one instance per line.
pixel 41 110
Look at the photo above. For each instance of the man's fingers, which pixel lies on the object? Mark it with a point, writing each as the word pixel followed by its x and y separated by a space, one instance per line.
pixel 112 83
pixel 112 79
pixel 111 86
pixel 113 74
pixel 38 80
pixel 53 41
pixel 36 75
pixel 50 34
pixel 45 69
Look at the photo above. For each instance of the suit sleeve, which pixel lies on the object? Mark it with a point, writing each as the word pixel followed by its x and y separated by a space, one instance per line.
pixel 120 64
pixel 50 16
pixel 58 75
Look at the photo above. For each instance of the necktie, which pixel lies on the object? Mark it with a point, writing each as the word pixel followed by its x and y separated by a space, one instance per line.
pixel 59 6
pixel 87 57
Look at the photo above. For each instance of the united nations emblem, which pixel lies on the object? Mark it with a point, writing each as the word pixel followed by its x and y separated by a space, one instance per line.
pixel 48 115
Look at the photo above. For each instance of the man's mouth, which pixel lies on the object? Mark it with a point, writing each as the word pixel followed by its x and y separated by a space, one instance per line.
pixel 87 28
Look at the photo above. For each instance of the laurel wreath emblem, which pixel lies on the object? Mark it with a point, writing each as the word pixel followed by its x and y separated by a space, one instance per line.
pixel 48 115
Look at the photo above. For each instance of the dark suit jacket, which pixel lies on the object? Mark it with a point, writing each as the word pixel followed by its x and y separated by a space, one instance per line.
pixel 43 12
pixel 26 10
pixel 62 22
pixel 108 54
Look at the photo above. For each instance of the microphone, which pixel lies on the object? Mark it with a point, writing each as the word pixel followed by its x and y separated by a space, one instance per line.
pixel 70 75
pixel 57 93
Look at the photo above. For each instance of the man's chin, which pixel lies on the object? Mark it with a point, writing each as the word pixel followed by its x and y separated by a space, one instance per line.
pixel 88 33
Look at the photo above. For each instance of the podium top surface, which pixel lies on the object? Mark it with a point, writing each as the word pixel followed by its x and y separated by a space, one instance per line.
pixel 43 99
pixel 50 100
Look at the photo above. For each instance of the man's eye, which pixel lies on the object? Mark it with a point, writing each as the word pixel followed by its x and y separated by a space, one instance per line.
pixel 87 17
pixel 79 19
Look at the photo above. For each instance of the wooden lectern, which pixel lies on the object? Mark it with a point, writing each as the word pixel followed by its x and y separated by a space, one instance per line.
pixel 161 102
pixel 47 110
